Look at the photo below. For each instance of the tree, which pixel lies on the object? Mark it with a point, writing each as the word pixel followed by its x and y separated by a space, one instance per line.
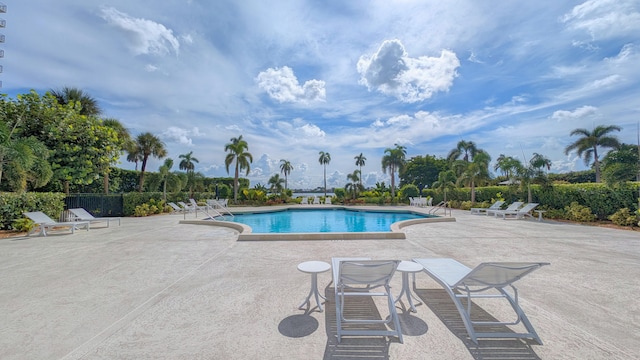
pixel 187 163
pixel 285 168
pixel 446 180
pixel 621 165
pixel 422 171
pixel 587 145
pixel 394 161
pixel 124 142
pixel 148 145
pixel 354 185
pixel 165 173
pixel 238 152
pixel 476 171
pixel 71 95
pixel 508 165
pixel 324 159
pixel 466 149
pixel 360 161
pixel 275 182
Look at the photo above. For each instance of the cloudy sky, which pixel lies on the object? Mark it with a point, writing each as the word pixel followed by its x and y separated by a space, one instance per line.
pixel 344 77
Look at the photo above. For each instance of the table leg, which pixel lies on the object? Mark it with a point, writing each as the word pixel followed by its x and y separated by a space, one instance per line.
pixel 407 291
pixel 313 292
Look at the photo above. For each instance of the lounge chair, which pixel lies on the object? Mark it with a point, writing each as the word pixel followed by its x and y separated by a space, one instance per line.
pixel 355 278
pixel 327 200
pixel 81 214
pixel 495 206
pixel 176 209
pixel 316 200
pixel 44 222
pixel 518 214
pixel 186 207
pixel 194 205
pixel 304 201
pixel 513 207
pixel 462 282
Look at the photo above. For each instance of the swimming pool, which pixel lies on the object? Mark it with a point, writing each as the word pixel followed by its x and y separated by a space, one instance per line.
pixel 336 220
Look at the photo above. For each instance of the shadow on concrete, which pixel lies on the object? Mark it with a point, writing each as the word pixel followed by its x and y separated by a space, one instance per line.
pixel 443 307
pixel 297 326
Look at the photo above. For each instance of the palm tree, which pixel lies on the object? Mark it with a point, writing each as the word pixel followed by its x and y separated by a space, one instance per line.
pixel 360 159
pixel 275 183
pixel 134 154
pixel 466 148
pixel 394 161
pixel 325 159
pixel 187 163
pixel 285 168
pixel 354 184
pixel 67 95
pixel 238 152
pixel 147 145
pixel 164 173
pixel 476 171
pixel 446 180
pixel 508 165
pixel 587 145
pixel 124 137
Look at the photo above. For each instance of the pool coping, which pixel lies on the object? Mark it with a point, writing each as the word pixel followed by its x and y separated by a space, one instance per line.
pixel 245 233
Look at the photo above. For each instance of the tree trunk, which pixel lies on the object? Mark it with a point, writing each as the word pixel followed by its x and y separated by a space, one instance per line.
pixel 106 182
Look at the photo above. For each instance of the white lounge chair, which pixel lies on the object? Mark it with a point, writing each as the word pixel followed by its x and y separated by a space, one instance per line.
pixel 304 201
pixel 44 223
pixel 462 282
pixel 518 214
pixel 194 205
pixel 186 207
pixel 514 206
pixel 176 209
pixel 355 278
pixel 327 200
pixel 495 206
pixel 81 214
pixel 316 200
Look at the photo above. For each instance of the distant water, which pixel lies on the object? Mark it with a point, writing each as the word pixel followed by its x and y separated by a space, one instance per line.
pixel 301 194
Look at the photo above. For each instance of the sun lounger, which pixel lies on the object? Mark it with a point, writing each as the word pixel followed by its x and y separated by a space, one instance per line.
pixel 462 282
pixel 81 214
pixel 356 277
pixel 517 214
pixel 44 222
pixel 513 207
pixel 495 206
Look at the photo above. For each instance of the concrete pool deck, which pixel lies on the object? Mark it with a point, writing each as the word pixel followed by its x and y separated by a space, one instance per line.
pixel 156 289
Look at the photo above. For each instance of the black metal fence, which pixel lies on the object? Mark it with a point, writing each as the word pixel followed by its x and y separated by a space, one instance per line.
pixel 97 204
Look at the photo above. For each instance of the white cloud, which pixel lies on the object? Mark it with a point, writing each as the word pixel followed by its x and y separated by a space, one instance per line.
pixel 579 113
pixel 603 19
pixel 310 130
pixel 282 85
pixel 144 36
pixel 181 136
pixel 391 71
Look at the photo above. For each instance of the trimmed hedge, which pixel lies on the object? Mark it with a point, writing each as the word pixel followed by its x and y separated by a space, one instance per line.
pixel 13 205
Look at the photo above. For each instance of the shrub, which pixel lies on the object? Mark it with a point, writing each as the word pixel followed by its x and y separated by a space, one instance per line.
pixel 623 217
pixel 23 225
pixel 408 191
pixel 577 212
pixel 465 205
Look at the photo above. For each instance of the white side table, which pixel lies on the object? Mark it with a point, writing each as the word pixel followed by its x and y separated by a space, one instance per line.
pixel 313 268
pixel 540 212
pixel 406 268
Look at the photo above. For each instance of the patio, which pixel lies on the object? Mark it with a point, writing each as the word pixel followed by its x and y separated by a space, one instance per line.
pixel 153 288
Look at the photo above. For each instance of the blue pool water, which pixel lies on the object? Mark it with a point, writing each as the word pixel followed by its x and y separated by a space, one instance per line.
pixel 321 220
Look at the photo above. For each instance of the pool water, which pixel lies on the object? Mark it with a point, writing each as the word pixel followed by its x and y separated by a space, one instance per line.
pixel 321 220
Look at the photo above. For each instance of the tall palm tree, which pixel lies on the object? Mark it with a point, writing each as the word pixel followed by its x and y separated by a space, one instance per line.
pixel 67 95
pixel 446 180
pixel 164 173
pixel 124 138
pixel 508 165
pixel 587 145
pixel 148 145
pixel 285 168
pixel 134 154
pixel 354 177
pixel 238 152
pixel 187 163
pixel 324 159
pixel 360 160
pixel 394 161
pixel 466 149
pixel 476 171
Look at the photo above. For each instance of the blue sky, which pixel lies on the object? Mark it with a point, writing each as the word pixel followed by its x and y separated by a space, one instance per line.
pixel 345 77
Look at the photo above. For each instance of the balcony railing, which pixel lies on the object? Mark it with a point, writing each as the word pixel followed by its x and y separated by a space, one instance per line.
pixel 3 8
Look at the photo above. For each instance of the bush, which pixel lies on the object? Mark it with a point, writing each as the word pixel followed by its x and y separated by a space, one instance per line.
pixel 624 217
pixel 577 212
pixel 13 205
pixel 465 205
pixel 23 225
pixel 408 191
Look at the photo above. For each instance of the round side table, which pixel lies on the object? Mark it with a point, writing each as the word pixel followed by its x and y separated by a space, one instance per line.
pixel 313 268
pixel 406 268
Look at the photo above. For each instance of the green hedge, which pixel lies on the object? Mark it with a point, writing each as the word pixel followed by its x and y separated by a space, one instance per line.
pixel 13 205
pixel 603 201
